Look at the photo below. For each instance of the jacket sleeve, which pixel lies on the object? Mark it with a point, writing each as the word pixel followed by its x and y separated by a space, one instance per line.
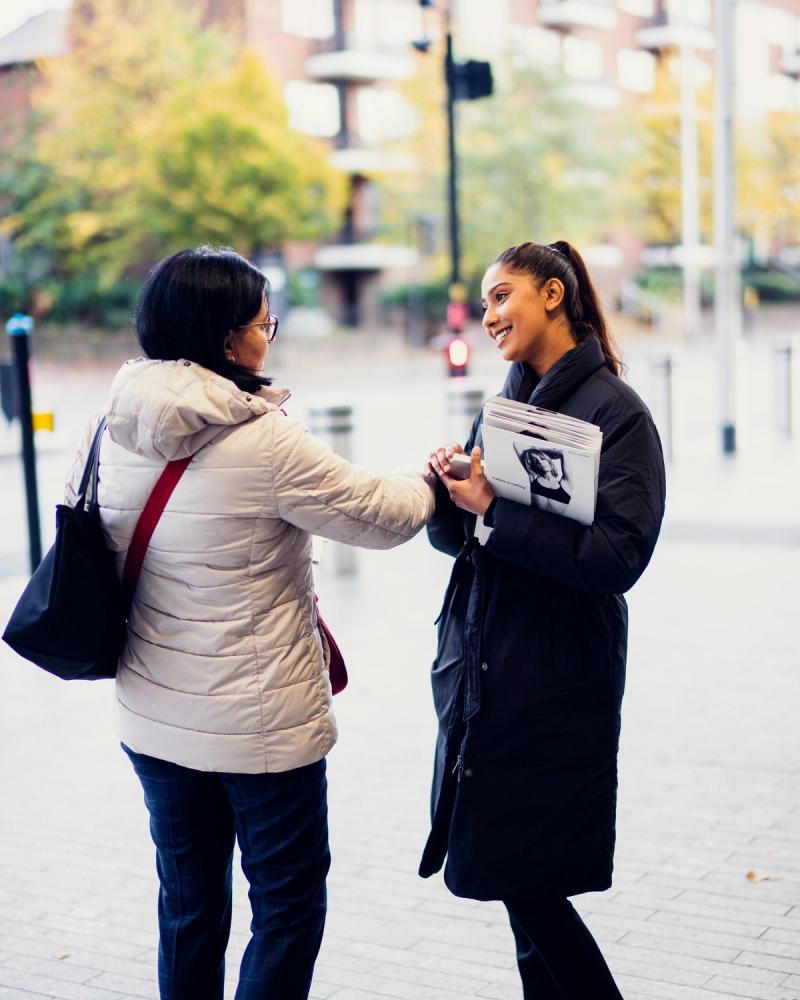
pixel 446 527
pixel 322 493
pixel 609 555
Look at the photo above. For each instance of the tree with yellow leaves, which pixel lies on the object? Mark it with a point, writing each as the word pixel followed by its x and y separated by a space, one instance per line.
pixel 533 163
pixel 152 134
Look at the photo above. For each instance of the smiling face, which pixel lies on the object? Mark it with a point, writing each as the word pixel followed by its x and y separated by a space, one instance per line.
pixel 525 322
pixel 247 346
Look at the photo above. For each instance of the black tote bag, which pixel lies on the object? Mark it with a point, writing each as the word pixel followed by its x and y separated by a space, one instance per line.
pixel 70 619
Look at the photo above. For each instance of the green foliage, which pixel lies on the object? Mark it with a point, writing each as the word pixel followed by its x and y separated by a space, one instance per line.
pixel 770 284
pixel 149 136
pixel 767 169
pixel 430 298
pixel 533 166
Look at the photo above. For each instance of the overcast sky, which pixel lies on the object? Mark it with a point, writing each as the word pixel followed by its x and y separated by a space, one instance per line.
pixel 14 12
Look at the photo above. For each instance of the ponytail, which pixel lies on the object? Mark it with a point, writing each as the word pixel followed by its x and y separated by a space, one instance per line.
pixel 581 303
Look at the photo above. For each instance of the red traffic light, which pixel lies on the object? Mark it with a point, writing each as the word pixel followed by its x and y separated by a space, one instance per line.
pixel 458 356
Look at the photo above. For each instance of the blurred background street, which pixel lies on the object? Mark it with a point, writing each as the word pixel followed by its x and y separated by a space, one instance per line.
pixel 372 157
pixel 706 900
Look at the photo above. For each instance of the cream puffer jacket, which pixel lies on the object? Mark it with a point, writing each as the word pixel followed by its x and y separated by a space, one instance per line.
pixel 224 667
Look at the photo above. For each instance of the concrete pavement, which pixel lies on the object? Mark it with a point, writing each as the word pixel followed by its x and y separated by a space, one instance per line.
pixel 706 899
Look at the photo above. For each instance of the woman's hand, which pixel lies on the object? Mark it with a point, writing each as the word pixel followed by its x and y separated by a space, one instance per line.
pixel 473 494
pixel 439 461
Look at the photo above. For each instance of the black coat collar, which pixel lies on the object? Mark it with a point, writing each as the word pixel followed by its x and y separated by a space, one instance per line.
pixel 560 382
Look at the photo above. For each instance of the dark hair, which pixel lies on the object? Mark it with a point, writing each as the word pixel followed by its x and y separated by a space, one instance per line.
pixel 561 260
pixel 192 300
pixel 531 459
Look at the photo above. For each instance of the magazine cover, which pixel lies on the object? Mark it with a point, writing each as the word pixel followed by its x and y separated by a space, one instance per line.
pixel 533 470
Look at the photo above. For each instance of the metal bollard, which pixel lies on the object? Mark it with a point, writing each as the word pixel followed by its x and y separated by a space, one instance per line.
pixel 661 395
pixel 782 368
pixel 463 405
pixel 334 426
pixel 18 329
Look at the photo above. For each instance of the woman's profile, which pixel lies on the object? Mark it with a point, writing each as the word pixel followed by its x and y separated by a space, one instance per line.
pixel 545 468
pixel 530 665
pixel 223 695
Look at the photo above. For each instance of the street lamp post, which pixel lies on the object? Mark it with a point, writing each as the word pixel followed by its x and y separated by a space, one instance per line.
pixel 689 193
pixel 727 303
pixel 18 329
pixel 452 157
pixel 466 81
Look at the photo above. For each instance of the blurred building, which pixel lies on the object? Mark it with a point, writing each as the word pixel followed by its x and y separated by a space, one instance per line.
pixel 339 63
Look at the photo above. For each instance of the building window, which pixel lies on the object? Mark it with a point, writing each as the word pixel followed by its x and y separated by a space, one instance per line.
pixel 583 59
pixel 641 8
pixel 482 34
pixel 313 108
pixel 384 114
pixel 308 18
pixel 636 71
pixel 696 12
pixel 541 46
pixel 386 24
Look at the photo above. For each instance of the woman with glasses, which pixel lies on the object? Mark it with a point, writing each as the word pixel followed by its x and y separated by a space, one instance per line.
pixel 224 700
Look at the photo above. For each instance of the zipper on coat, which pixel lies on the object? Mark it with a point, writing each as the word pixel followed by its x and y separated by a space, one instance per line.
pixel 458 768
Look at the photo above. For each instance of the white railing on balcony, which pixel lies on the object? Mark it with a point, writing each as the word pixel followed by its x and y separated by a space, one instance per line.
pixel 359 64
pixel 364 257
pixel 567 14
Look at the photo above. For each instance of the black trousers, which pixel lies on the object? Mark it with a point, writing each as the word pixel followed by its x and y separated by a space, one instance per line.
pixel 557 956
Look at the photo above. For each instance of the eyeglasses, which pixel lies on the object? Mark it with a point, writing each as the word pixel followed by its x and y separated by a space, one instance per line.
pixel 269 327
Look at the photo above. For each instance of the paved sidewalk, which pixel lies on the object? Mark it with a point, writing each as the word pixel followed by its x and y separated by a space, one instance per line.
pixel 706 899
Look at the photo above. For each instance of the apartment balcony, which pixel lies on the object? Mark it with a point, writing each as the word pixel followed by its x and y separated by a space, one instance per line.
pixel 667 31
pixel 673 36
pixel 359 65
pixel 365 160
pixel 570 14
pixel 364 257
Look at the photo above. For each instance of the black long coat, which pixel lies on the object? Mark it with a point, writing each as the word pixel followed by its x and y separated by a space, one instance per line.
pixel 530 668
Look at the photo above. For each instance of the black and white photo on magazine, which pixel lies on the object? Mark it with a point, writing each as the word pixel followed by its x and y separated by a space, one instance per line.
pixel 546 468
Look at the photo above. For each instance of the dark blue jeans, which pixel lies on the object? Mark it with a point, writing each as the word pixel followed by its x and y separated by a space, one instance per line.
pixel 281 822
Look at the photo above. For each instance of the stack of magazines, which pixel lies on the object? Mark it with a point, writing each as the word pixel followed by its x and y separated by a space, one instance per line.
pixel 541 458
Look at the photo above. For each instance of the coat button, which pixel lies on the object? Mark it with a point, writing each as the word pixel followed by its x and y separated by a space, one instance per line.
pixel 248 399
pixel 484 666
pixel 186 364
pixel 468 772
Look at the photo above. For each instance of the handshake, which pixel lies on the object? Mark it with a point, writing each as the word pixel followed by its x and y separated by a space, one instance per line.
pixel 463 477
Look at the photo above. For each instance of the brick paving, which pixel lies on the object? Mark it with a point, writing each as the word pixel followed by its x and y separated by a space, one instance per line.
pixel 709 792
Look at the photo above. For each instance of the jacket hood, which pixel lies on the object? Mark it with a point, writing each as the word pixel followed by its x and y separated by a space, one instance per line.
pixel 170 409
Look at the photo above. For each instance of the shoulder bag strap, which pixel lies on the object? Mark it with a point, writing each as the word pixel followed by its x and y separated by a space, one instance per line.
pixel 146 525
pixel 90 469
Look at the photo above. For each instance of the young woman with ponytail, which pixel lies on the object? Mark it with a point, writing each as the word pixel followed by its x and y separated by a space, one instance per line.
pixel 530 667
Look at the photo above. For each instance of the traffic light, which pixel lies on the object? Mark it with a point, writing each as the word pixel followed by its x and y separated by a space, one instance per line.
pixel 472 79
pixel 457 356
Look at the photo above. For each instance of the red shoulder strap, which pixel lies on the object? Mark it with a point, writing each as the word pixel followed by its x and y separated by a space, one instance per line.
pixel 146 525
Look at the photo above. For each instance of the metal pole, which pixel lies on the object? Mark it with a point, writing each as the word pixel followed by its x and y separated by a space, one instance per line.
pixel 661 383
pixel 727 306
pixel 689 194
pixel 18 329
pixel 334 425
pixel 782 362
pixel 452 191
pixel 463 405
